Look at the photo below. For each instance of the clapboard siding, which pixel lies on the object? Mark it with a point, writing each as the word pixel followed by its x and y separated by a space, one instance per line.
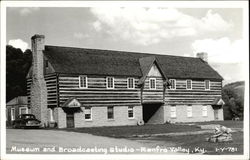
pixel 196 95
pixel 51 84
pixel 97 94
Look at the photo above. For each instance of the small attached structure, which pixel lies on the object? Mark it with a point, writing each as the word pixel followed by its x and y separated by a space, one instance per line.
pixel 16 106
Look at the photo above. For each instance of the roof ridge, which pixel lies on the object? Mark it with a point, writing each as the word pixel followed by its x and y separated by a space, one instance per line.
pixel 132 52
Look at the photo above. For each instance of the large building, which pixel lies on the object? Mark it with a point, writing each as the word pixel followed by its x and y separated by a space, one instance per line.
pixel 78 87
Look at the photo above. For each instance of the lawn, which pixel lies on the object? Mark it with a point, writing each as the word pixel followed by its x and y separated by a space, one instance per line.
pixel 194 142
pixel 129 131
pixel 191 142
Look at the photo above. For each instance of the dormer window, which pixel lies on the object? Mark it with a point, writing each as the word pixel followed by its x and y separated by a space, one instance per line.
pixel 152 83
pixel 207 85
pixel 189 84
pixel 83 82
pixel 172 84
pixel 110 82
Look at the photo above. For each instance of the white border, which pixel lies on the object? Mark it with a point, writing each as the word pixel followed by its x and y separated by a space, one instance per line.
pixel 177 4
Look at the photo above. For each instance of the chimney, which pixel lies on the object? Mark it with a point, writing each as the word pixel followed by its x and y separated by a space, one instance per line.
pixel 203 56
pixel 38 92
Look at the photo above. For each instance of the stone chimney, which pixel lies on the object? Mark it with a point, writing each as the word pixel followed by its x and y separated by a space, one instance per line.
pixel 203 56
pixel 38 88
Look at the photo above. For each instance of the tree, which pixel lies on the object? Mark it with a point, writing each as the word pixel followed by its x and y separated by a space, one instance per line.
pixel 17 66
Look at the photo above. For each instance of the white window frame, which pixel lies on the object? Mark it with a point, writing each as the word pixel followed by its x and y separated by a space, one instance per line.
pixel 90 114
pixel 12 114
pixel 189 111
pixel 113 112
pixel 113 81
pixel 129 81
pixel 190 84
pixel 131 108
pixel 51 114
pixel 204 111
pixel 171 84
pixel 172 111
pixel 208 84
pixel 81 85
pixel 154 79
pixel 26 108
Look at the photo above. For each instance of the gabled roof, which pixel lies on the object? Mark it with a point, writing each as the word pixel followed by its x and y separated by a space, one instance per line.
pixel 70 60
pixel 20 100
pixel 146 63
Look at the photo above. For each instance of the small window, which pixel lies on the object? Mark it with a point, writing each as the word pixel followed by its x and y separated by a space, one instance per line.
pixel 83 81
pixel 131 83
pixel 110 112
pixel 51 113
pixel 173 111
pixel 110 82
pixel 23 110
pixel 130 112
pixel 207 85
pixel 172 83
pixel 12 114
pixel 189 111
pixel 204 111
pixel 189 84
pixel 46 63
pixel 88 113
pixel 152 83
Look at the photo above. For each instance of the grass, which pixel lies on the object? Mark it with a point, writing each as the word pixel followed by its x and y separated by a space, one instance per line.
pixel 128 131
pixel 193 142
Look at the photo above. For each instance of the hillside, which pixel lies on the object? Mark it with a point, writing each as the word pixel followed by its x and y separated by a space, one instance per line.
pixel 233 96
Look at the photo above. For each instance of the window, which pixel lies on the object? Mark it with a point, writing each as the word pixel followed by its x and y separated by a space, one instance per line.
pixel 88 113
pixel 189 111
pixel 131 83
pixel 12 114
pixel 173 111
pixel 207 84
pixel 172 83
pixel 23 110
pixel 130 112
pixel 51 113
pixel 152 83
pixel 83 82
pixel 110 82
pixel 204 111
pixel 110 112
pixel 189 84
pixel 46 63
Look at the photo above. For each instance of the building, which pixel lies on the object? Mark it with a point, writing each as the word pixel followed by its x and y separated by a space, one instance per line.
pixel 14 107
pixel 78 87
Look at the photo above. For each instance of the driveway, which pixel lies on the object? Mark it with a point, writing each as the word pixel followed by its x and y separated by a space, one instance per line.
pixel 55 141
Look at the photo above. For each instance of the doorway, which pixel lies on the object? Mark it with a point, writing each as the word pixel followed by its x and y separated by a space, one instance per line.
pixel 149 110
pixel 70 120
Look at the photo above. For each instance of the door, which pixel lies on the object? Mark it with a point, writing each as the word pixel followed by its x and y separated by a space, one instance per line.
pixel 216 114
pixel 70 120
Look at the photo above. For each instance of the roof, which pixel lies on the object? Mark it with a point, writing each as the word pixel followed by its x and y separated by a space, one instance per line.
pixel 70 60
pixel 18 101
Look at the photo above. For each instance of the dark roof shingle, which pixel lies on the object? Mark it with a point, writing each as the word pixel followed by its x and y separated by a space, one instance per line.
pixel 70 60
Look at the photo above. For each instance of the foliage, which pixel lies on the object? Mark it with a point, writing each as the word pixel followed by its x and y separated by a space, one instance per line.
pixel 233 96
pixel 17 66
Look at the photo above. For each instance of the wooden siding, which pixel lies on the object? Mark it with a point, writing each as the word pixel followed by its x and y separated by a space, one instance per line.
pixel 51 83
pixel 97 94
pixel 153 95
pixel 197 95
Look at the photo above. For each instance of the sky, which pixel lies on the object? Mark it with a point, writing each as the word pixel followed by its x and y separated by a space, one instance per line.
pixel 159 30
